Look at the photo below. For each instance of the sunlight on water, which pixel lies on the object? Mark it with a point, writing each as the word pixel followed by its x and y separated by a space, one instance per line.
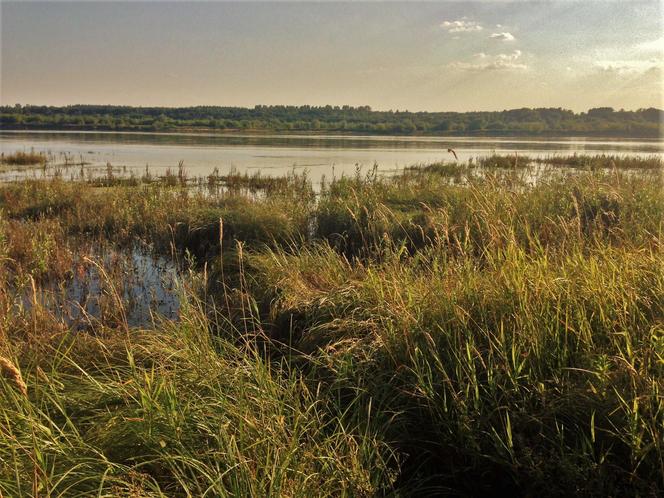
pixel 320 155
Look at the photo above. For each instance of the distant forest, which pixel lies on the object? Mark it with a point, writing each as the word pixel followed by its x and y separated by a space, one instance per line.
pixel 544 121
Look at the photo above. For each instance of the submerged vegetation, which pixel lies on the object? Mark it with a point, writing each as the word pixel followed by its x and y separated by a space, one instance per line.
pixel 457 329
pixel 556 121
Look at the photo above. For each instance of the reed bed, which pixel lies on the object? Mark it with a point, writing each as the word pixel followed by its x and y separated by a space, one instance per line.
pixel 20 161
pixel 604 161
pixel 513 161
pixel 21 158
pixel 439 332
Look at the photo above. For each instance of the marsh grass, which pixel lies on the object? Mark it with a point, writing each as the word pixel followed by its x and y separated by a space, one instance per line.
pixel 603 161
pixel 440 332
pixel 20 161
pixel 514 161
pixel 176 412
pixel 21 158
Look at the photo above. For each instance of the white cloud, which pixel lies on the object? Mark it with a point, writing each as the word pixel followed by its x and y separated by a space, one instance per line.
pixel 499 62
pixel 630 59
pixel 512 56
pixel 653 46
pixel 461 26
pixel 504 36
pixel 628 65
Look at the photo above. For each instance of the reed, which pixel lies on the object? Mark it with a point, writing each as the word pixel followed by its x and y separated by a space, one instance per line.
pixel 450 330
pixel 10 372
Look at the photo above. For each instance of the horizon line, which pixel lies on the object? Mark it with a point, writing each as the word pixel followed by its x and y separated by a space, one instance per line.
pixel 334 106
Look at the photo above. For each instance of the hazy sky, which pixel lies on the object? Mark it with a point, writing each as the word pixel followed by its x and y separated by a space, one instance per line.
pixel 418 56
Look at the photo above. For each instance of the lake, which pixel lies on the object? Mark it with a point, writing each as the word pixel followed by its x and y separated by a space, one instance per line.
pixel 319 155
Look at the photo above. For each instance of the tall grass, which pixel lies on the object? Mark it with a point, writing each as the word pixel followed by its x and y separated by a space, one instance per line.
pixel 519 373
pixel 175 412
pixel 447 331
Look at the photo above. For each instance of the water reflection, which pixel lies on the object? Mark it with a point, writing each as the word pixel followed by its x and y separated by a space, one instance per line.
pixel 113 286
pixel 321 155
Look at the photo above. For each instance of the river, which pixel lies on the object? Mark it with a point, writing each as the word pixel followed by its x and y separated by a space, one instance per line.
pixel 319 155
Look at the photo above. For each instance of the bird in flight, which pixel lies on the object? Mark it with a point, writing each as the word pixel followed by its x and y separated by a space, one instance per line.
pixel 452 151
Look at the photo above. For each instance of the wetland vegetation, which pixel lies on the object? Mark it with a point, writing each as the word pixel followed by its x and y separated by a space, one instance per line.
pixel 492 327
pixel 20 159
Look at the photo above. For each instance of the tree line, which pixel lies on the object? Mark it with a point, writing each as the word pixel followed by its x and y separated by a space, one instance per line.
pixel 281 118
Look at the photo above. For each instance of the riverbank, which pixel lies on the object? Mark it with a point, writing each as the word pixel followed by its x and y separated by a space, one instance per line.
pixel 453 329
pixel 603 121
pixel 653 133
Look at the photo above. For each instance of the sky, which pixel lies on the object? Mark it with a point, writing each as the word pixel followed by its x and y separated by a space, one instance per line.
pixel 435 56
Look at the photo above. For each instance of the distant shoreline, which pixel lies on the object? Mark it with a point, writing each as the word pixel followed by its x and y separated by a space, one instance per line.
pixel 339 133
pixel 346 120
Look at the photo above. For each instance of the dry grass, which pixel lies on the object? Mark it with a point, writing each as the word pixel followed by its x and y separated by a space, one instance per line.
pixel 437 333
pixel 11 372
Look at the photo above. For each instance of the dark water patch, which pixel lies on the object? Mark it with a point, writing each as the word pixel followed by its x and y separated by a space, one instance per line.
pixel 113 286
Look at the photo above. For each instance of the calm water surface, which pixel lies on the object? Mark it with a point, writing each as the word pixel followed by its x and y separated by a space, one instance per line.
pixel 320 155
pixel 147 284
